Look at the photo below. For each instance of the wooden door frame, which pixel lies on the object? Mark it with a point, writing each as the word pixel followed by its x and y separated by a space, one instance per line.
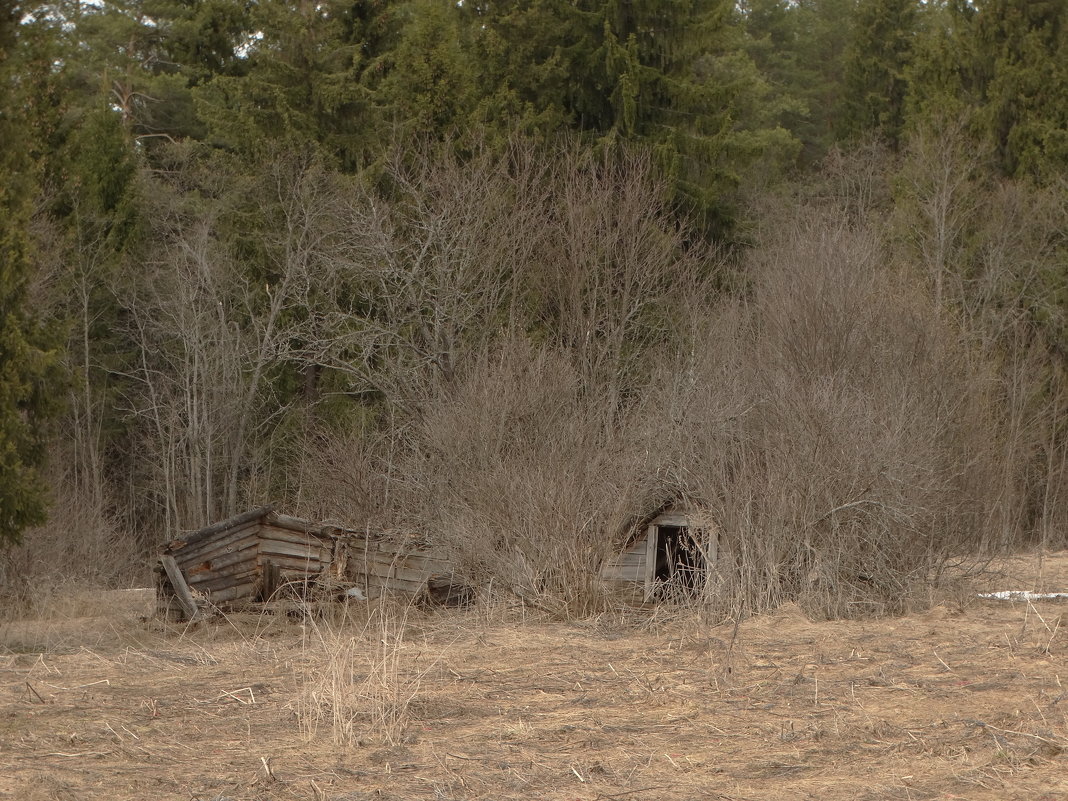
pixel 673 519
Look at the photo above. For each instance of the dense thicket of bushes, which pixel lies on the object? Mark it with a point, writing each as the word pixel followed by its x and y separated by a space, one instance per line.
pixel 847 434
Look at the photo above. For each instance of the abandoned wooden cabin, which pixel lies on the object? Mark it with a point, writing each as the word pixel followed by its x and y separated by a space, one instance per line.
pixel 255 556
pixel 669 554
pixel 250 558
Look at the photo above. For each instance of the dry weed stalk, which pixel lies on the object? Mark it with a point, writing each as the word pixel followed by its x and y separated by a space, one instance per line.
pixel 359 684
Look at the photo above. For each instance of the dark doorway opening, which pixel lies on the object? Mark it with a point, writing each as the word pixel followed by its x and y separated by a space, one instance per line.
pixel 680 563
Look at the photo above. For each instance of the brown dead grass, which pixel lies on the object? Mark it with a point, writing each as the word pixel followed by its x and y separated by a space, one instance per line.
pixel 965 700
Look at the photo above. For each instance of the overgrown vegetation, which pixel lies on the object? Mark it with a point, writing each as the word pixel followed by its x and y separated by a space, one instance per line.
pixel 511 276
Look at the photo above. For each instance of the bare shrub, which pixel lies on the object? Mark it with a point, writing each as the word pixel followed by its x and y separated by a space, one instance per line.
pixel 844 437
pixel 80 547
pixel 614 270
pixel 520 470
pixel 519 354
pixel 513 307
pixel 855 181
pixel 937 200
pixel 520 473
pixel 219 330
pixel 994 254
pixel 346 475
pixel 450 255
pixel 1012 294
pixel 440 250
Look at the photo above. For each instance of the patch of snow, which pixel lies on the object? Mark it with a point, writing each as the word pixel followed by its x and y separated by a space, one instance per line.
pixel 1025 595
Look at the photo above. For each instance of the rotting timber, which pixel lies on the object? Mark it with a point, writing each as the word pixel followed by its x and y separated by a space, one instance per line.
pixel 260 556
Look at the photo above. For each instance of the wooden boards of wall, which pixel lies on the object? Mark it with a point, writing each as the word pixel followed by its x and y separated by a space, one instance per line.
pixel 625 574
pixel 385 566
pixel 248 557
pixel 295 554
pixel 224 565
pixel 627 566
pixel 226 561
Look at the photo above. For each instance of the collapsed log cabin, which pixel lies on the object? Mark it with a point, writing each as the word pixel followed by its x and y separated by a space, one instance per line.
pixel 254 556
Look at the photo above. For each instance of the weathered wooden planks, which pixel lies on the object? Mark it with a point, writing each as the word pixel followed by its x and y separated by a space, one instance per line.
pixel 308 550
pixel 293 524
pixel 247 557
pixel 237 521
pixel 629 566
pixel 222 558
pixel 236 592
pixel 181 589
pixel 223 542
pixel 211 585
pixel 385 566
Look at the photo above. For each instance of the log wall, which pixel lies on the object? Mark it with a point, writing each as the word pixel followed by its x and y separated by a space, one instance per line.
pixel 248 557
pixel 383 566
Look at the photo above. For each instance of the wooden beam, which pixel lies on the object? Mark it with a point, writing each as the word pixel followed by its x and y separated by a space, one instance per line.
pixel 680 519
pixel 214 546
pixel 222 525
pixel 650 560
pixel 181 589
pixel 298 524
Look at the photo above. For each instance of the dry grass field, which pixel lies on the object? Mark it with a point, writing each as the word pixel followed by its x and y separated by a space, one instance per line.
pixel 965 700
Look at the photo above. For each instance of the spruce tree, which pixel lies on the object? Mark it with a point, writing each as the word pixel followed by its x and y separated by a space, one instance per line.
pixel 307 75
pixel 942 73
pixel 876 85
pixel 1022 65
pixel 672 76
pixel 24 363
pixel 425 83
pixel 799 47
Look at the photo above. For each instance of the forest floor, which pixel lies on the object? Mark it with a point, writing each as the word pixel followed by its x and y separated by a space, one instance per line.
pixel 965 700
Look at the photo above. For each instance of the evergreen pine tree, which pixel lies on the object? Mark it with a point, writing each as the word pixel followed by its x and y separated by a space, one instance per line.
pixel 672 76
pixel 307 78
pixel 24 362
pixel 942 73
pixel 876 85
pixel 1022 66
pixel 426 82
pixel 799 47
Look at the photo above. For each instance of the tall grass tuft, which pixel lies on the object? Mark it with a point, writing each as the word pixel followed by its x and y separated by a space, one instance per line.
pixel 357 684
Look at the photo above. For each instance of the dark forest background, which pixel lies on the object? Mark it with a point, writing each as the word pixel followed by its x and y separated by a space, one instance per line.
pixel 511 275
